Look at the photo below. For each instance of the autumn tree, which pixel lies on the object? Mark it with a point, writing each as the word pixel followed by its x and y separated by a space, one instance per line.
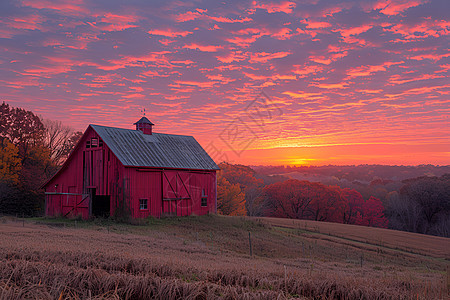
pixel 353 202
pixel 372 214
pixel 10 164
pixel 23 129
pixel 230 197
pixel 290 199
pixel 250 186
pixel 22 134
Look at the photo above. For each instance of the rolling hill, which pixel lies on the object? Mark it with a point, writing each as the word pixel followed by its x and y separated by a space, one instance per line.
pixel 209 257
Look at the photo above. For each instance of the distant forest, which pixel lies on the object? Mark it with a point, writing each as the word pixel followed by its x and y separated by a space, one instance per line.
pixel 409 198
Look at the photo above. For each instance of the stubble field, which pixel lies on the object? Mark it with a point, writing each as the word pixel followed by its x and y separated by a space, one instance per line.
pixel 209 257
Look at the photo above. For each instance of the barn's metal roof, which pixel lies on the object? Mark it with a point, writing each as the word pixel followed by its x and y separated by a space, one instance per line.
pixel 136 149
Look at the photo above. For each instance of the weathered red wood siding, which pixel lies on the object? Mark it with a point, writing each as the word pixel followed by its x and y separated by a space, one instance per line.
pixel 169 192
pixel 96 168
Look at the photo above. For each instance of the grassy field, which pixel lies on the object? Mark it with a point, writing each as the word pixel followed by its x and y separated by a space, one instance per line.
pixel 209 257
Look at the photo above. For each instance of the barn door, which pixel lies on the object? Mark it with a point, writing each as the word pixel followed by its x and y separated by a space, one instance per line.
pixel 176 198
pixel 92 175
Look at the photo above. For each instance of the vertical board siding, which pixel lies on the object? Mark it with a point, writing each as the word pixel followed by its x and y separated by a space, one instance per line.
pixel 174 192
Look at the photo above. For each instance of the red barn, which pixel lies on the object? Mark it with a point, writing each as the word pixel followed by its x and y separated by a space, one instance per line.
pixel 137 172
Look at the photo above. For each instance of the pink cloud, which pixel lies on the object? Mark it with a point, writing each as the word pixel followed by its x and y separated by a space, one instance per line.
pixel 231 57
pixel 113 22
pixel 430 56
pixel 400 79
pixel 283 34
pixel 203 48
pixel 207 84
pixel 394 7
pixel 133 96
pixel 166 42
pixel 370 69
pixel 152 73
pixel 220 78
pixel 243 42
pixel 263 57
pixel 201 14
pixel 154 58
pixel 228 20
pixel 306 70
pixel 169 32
pixel 273 7
pixel 64 7
pixel 51 66
pixel 369 91
pixel 321 60
pixel 354 30
pixel 426 28
pixel 188 16
pixel 315 24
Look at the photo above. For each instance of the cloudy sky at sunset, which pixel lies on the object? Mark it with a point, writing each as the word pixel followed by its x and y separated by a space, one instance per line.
pixel 256 82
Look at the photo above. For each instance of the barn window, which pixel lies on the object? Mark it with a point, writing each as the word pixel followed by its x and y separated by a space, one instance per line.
pixel 88 144
pixel 100 143
pixel 94 142
pixel 204 198
pixel 143 204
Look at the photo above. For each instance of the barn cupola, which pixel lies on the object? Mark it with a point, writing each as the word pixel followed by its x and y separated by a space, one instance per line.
pixel 144 125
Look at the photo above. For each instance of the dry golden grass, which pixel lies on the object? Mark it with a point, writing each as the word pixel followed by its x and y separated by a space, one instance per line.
pixel 204 258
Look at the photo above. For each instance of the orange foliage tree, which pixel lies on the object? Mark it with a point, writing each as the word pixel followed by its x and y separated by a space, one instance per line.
pixel 230 197
pixel 10 165
pixel 250 186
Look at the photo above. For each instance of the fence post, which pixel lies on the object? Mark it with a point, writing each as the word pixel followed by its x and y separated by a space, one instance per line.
pixel 250 243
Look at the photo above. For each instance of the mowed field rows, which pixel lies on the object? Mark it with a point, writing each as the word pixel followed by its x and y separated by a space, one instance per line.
pixel 390 239
pixel 205 257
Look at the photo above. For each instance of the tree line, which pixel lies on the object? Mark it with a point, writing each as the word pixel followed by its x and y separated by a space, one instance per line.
pixel 419 205
pixel 31 151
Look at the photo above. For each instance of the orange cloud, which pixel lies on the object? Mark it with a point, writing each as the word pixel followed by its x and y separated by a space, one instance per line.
pixel 263 57
pixel 305 95
pixel 169 32
pixel 203 48
pixel 273 7
pixel 327 86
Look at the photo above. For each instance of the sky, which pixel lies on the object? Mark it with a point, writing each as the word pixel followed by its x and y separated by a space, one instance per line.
pixel 255 82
